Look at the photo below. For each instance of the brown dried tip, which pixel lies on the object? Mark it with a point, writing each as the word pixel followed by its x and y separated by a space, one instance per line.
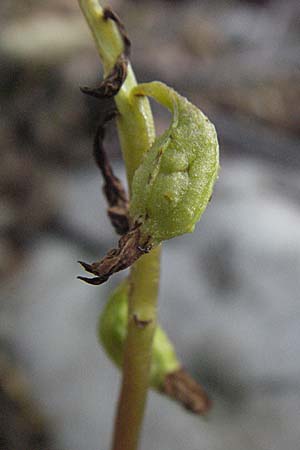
pixel 130 248
pixel 180 386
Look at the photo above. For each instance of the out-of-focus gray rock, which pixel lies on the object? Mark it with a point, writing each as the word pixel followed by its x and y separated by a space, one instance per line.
pixel 229 299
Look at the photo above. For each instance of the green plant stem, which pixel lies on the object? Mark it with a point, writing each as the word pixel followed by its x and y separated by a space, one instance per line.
pixel 138 349
pixel 136 133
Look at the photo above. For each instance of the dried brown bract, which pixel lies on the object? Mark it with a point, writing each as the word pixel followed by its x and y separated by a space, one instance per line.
pixel 111 85
pixel 180 386
pixel 113 189
pixel 131 247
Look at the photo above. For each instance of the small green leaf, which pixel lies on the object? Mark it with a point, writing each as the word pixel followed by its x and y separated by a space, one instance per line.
pixel 112 334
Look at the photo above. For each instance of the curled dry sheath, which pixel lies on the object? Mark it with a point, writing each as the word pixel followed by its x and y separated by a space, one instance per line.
pixel 113 189
pixel 111 85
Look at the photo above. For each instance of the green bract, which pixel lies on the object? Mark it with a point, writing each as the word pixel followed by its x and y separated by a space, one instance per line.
pixel 112 334
pixel 173 185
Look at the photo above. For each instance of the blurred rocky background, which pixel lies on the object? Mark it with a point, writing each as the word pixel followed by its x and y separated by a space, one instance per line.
pixel 230 293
